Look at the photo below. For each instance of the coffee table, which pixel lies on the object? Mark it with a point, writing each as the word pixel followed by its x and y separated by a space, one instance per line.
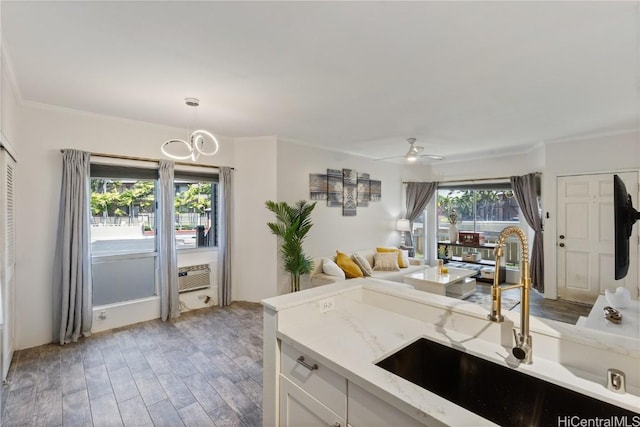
pixel 456 283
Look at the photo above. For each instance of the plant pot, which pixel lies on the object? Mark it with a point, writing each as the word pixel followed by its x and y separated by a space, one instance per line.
pixel 453 233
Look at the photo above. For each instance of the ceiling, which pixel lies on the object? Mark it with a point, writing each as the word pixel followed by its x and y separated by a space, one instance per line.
pixel 464 78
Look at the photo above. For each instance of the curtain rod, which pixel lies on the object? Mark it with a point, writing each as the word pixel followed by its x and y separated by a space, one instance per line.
pixel 475 180
pixel 146 159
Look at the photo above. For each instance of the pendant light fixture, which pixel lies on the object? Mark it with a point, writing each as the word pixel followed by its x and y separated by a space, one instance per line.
pixel 199 141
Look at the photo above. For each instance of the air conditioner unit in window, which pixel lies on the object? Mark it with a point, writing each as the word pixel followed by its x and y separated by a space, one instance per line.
pixel 193 277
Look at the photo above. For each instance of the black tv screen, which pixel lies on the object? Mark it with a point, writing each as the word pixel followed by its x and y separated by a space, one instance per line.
pixel 624 218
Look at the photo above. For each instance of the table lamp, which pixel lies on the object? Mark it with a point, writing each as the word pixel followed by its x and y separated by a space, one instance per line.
pixel 403 225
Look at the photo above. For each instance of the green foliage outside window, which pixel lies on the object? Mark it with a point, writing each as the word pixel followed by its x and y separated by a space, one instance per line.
pixel 197 198
pixel 113 198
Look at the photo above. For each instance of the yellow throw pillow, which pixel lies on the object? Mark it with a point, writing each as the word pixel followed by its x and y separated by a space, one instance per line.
pixel 402 263
pixel 349 267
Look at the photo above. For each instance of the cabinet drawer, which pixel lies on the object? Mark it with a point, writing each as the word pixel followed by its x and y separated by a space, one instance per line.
pixel 322 383
pixel 298 408
pixel 367 410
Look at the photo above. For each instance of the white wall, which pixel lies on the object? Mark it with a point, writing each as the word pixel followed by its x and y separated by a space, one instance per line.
pixel 255 248
pixel 42 131
pixel 8 107
pixel 491 167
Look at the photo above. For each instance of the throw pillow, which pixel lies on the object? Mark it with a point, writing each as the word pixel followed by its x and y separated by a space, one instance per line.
pixel 385 261
pixel 349 267
pixel 363 264
pixel 331 268
pixel 405 258
pixel 398 254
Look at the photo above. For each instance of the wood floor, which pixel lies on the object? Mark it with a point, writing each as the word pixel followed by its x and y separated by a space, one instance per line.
pixel 560 310
pixel 203 369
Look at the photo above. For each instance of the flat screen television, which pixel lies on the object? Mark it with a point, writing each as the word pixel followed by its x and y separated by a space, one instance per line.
pixel 624 218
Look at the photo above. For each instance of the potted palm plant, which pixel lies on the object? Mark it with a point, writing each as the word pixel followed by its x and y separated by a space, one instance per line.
pixel 292 225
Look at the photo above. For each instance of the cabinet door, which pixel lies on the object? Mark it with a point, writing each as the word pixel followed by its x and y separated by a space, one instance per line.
pixel 300 409
pixel 366 410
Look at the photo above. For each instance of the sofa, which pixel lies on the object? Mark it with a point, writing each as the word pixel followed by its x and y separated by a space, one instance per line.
pixel 319 278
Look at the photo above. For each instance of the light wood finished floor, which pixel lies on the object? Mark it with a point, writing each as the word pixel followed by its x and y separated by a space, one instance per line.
pixel 203 369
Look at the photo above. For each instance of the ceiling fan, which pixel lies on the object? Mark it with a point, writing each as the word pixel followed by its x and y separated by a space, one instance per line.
pixel 414 153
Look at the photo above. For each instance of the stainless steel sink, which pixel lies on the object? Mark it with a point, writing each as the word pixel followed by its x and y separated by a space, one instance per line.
pixel 497 393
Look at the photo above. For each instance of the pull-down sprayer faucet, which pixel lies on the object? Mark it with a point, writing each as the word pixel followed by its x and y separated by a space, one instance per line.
pixel 523 348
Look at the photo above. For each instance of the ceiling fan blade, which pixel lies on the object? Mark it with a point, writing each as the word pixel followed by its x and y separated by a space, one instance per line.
pixel 414 153
pixel 388 158
pixel 432 156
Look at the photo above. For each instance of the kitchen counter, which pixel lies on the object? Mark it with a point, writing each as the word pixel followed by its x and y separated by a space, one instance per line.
pixel 629 326
pixel 350 326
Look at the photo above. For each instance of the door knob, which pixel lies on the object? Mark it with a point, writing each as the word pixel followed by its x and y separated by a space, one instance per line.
pixel 562 236
pixel 561 245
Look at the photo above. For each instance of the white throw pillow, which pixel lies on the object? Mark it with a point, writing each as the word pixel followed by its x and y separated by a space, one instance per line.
pixel 405 257
pixel 330 268
pixel 363 264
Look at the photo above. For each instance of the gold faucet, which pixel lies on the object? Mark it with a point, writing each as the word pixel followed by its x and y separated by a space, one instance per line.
pixel 523 350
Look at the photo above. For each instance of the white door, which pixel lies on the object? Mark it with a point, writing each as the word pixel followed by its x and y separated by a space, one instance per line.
pixel 7 257
pixel 585 237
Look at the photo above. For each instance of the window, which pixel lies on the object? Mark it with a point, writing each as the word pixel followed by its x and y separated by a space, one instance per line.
pixel 418 233
pixel 122 210
pixel 123 243
pixel 485 208
pixel 196 204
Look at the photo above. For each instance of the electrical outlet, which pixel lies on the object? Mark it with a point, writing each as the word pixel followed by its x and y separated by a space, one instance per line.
pixel 327 304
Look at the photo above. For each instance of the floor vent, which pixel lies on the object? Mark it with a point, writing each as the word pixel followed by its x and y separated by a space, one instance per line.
pixel 193 277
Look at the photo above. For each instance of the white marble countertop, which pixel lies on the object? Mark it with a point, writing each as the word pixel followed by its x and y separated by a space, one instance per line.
pixel 629 326
pixel 355 335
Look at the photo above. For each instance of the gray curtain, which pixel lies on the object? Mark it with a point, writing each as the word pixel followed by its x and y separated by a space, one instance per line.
pixel 166 236
pixel 524 188
pixel 224 237
pixel 72 310
pixel 419 195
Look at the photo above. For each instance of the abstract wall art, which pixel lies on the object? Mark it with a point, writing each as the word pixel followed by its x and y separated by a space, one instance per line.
pixel 345 188
pixel 349 187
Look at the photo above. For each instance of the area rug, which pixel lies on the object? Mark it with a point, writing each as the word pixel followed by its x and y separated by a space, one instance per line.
pixel 485 301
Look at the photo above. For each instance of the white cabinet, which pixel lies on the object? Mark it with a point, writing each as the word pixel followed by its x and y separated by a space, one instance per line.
pixel 367 410
pixel 310 394
pixel 313 395
pixel 299 409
